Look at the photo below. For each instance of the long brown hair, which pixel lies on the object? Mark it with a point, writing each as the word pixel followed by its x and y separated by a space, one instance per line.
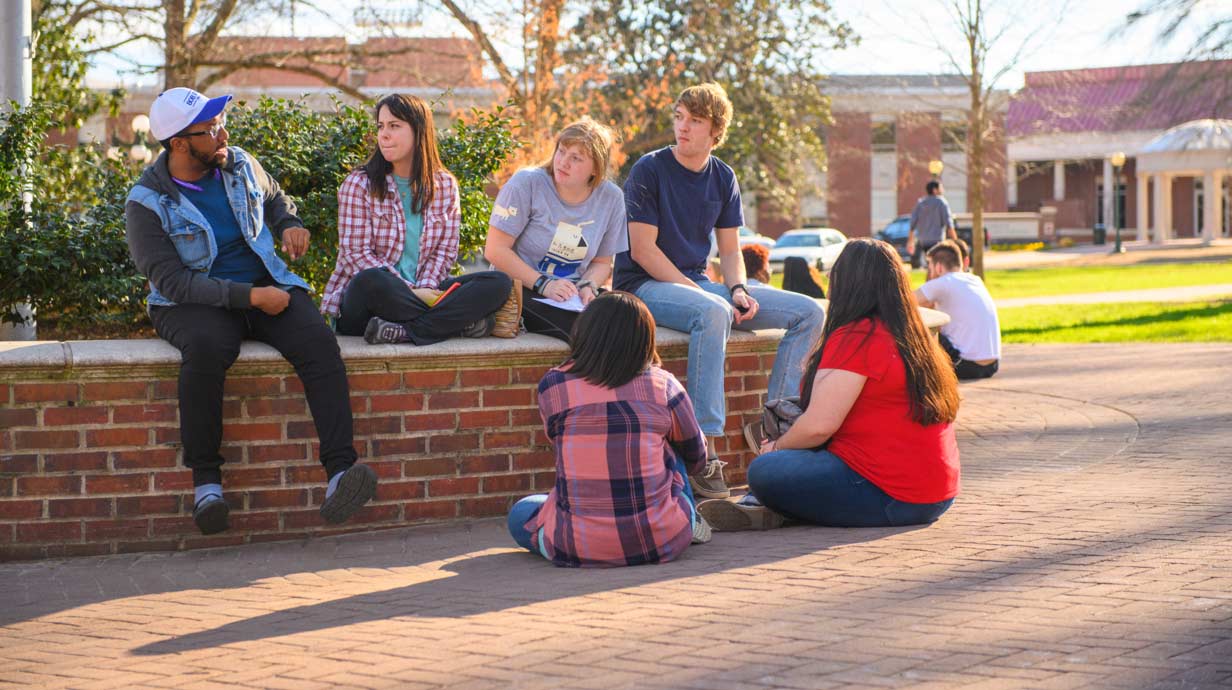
pixel 613 340
pixel 868 282
pixel 427 162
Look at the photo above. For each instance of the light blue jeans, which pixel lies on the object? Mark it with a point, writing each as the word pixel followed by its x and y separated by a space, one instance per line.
pixel 707 317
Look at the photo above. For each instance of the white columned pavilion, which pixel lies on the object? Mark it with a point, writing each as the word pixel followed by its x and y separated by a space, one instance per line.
pixel 1200 149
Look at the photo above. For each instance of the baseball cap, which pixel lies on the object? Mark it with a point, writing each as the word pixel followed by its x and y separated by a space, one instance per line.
pixel 176 109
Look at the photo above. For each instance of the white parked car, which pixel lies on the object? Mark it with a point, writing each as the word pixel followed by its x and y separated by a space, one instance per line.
pixel 818 246
pixel 747 236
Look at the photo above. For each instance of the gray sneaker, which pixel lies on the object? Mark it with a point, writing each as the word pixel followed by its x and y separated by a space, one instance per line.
pixel 726 516
pixel 481 328
pixel 382 332
pixel 710 483
pixel 701 531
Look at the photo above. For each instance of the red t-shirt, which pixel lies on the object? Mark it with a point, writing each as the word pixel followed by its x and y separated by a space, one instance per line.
pixel 878 439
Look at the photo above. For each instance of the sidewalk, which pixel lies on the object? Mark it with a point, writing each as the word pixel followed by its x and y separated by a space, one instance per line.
pixel 1093 255
pixel 1089 548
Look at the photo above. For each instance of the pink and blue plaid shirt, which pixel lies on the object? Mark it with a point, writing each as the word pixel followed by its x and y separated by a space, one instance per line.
pixel 617 500
pixel 372 233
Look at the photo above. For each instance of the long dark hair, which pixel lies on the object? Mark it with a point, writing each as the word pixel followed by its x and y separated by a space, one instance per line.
pixel 868 282
pixel 613 340
pixel 427 162
pixel 799 277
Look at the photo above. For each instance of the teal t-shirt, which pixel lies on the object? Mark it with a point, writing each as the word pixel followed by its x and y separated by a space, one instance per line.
pixel 408 265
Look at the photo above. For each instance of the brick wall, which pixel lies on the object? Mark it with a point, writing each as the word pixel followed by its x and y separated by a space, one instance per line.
pixel 918 140
pixel 89 456
pixel 848 195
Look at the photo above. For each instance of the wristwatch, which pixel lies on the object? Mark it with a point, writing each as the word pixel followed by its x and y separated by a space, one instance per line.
pixel 739 286
pixel 541 284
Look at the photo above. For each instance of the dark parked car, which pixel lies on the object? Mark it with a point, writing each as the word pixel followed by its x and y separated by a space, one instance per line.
pixel 896 234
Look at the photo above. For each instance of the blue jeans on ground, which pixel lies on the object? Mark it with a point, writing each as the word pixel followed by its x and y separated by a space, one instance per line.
pixel 529 507
pixel 816 486
pixel 707 317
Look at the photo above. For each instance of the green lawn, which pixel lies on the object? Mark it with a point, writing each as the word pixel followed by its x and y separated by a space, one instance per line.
pixel 1207 321
pixel 1034 282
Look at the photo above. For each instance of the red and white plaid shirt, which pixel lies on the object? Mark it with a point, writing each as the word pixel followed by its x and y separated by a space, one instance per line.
pixel 372 234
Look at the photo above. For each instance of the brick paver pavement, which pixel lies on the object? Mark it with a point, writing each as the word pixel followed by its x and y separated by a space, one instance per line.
pixel 1089 548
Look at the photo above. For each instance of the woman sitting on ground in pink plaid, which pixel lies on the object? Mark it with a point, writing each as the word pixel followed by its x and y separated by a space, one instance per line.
pixel 399 223
pixel 624 435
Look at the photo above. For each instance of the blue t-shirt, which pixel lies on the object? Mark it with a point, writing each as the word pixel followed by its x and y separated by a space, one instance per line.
pixel 408 263
pixel 236 260
pixel 685 206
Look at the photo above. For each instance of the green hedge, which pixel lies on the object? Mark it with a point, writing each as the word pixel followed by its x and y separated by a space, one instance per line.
pixel 68 253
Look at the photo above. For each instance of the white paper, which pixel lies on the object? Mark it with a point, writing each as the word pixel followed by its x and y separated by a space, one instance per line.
pixel 574 303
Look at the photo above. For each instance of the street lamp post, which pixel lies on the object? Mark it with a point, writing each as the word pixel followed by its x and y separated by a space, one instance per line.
pixel 935 167
pixel 1117 159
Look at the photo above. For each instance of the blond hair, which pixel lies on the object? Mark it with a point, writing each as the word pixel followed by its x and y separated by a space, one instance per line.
pixel 709 101
pixel 595 139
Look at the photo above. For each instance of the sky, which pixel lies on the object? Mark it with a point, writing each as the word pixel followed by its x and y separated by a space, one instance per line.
pixel 896 37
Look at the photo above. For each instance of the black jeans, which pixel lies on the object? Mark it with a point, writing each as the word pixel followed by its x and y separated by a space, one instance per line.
pixel 378 292
pixel 209 338
pixel 546 319
pixel 966 369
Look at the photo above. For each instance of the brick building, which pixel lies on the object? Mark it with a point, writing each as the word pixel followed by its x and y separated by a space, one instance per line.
pixel 1065 125
pixel 445 71
pixel 887 130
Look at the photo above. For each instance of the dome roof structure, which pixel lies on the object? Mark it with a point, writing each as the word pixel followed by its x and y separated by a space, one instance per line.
pixel 1196 135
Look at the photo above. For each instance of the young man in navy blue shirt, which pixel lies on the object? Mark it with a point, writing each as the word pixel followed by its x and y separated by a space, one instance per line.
pixel 675 198
pixel 201 225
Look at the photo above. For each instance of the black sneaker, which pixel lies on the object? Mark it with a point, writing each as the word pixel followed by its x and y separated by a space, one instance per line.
pixel 481 328
pixel 382 332
pixel 357 487
pixel 211 515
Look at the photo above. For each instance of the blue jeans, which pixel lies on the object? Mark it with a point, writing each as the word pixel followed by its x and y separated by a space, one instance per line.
pixel 529 507
pixel 707 317
pixel 817 486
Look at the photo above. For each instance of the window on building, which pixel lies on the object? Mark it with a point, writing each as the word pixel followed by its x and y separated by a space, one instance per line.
pixel 884 137
pixel 954 137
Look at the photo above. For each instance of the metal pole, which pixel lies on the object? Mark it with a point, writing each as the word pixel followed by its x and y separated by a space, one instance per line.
pixel 16 82
pixel 1116 185
pixel 15 78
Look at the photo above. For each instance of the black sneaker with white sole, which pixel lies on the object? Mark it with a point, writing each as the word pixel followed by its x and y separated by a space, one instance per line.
pixel 382 332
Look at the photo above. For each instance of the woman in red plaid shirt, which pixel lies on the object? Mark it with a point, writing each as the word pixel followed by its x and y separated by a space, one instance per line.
pixel 624 435
pixel 398 231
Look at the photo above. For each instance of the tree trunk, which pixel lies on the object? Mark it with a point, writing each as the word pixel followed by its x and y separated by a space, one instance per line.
pixel 977 124
pixel 176 69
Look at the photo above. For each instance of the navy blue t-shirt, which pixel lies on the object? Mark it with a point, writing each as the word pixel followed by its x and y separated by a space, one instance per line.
pixel 686 206
pixel 236 260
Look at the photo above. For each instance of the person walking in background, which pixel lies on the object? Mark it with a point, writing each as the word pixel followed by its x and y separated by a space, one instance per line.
pixel 202 222
pixel 972 338
pixel 556 228
pixel 875 446
pixel 398 230
pixel 931 222
pixel 624 436
pixel 677 197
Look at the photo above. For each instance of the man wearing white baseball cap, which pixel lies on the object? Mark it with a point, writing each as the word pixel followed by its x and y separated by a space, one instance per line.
pixel 202 222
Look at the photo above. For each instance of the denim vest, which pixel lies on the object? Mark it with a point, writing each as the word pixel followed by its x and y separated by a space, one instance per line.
pixel 191 234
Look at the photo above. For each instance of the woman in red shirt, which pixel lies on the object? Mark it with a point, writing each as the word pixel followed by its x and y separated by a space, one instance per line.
pixel 875 446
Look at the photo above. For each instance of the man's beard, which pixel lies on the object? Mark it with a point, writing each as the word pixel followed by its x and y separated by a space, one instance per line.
pixel 208 159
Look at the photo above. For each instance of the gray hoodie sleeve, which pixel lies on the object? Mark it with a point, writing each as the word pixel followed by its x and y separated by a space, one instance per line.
pixel 156 258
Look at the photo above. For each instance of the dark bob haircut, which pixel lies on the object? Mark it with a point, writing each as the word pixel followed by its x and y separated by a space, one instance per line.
pixel 613 340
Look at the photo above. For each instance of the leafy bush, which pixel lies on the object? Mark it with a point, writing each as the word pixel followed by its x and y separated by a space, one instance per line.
pixel 310 153
pixel 68 253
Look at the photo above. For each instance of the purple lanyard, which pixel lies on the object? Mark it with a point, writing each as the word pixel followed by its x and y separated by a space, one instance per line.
pixel 189 185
